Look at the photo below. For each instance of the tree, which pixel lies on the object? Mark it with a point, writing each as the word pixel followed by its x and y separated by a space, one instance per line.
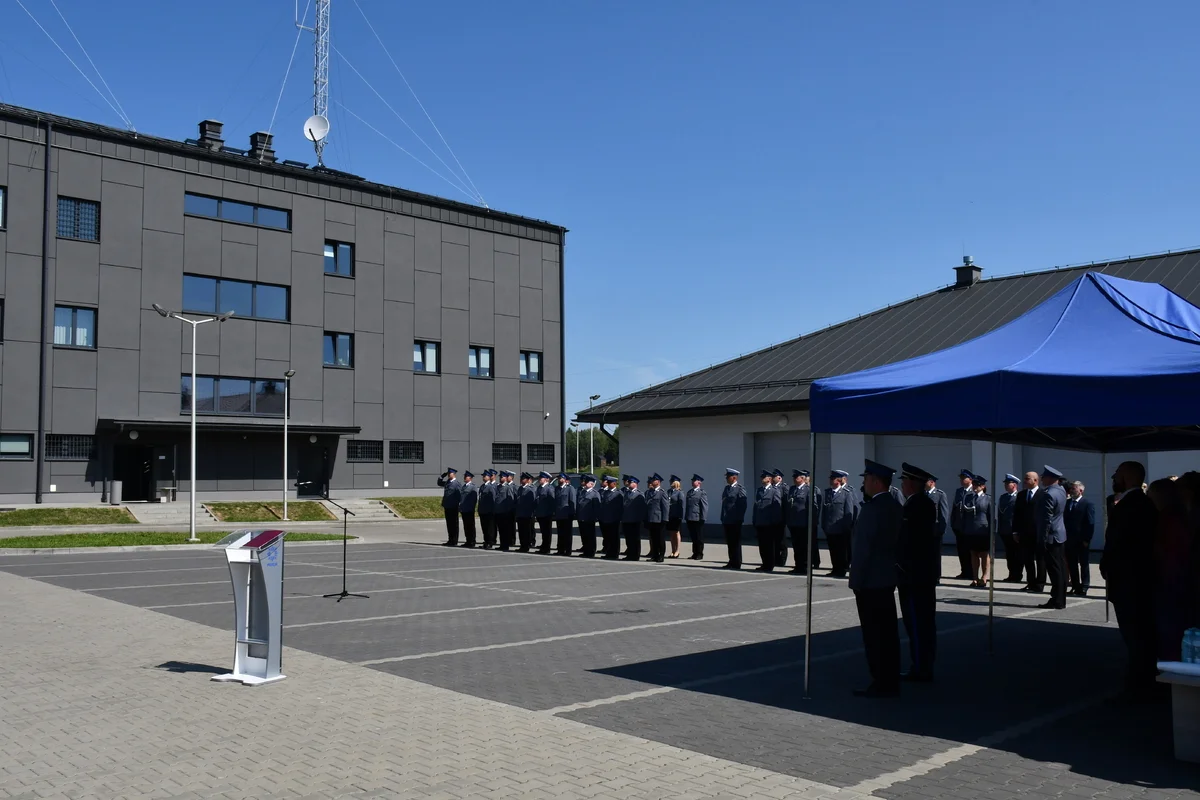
pixel 579 440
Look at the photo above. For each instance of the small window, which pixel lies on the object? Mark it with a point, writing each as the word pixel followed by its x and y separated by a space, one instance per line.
pixel 531 367
pixel 479 362
pixel 339 259
pixel 268 397
pixel 505 453
pixel 339 350
pixel 541 454
pixel 75 327
pixel 206 393
pixel 236 296
pixel 199 294
pixel 237 212
pixel 364 451
pixel 78 219
pixel 70 447
pixel 3 197
pixel 270 302
pixel 260 397
pixel 406 452
pixel 233 396
pixel 425 357
pixel 200 205
pixel 273 218
pixel 16 446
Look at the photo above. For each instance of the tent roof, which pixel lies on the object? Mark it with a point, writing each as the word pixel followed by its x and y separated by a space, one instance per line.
pixel 1105 364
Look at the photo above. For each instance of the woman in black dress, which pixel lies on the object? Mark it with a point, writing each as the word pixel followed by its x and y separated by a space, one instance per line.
pixel 675 516
pixel 977 507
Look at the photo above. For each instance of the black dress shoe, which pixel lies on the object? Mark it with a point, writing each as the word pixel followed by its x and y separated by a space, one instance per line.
pixel 543 551
pixel 962 576
pixel 487 547
pixel 797 571
pixel 877 691
pixel 1052 604
pixel 522 549
pixel 503 549
pixel 1011 579
pixel 913 676
pixel 837 574
pixel 696 557
pixel 658 559
pixel 732 566
pixel 449 544
pixel 468 545
pixel 612 558
pixel 629 558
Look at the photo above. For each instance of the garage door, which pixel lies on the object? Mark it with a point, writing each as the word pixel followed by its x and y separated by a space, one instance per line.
pixel 942 457
pixel 786 451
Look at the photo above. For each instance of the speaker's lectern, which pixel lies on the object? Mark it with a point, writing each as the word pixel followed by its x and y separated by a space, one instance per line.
pixel 256 569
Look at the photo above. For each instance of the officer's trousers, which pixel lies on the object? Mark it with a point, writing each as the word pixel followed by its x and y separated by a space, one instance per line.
pixel 881 639
pixel 695 529
pixel 1056 573
pixel 546 526
pixel 1035 563
pixel 839 552
pixel 1079 563
pixel 918 607
pixel 451 525
pixel 1013 556
pixel 610 533
pixel 587 538
pixel 768 548
pixel 488 523
pixel 733 540
pixel 963 547
pixel 565 533
pixel 468 521
pixel 657 549
pixel 506 526
pixel 525 533
pixel 633 540
pixel 799 544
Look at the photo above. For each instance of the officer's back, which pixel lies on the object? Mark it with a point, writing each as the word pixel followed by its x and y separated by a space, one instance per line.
pixel 634 509
pixel 875 540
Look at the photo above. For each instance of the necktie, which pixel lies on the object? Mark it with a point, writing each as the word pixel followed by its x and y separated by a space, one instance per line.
pixel 1029 495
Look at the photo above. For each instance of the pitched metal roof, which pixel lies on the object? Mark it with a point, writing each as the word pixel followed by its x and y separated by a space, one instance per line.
pixel 778 377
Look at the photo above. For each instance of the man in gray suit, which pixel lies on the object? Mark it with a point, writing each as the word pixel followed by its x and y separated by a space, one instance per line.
pixel 873 577
pixel 1052 535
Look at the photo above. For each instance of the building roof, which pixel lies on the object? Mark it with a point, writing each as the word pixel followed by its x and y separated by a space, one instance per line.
pixel 292 169
pixel 778 377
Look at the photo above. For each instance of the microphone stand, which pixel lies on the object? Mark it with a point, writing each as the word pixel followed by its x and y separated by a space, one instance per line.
pixel 346 514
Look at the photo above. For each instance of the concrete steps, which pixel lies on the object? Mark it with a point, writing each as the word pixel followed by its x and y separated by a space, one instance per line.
pixel 364 510
pixel 169 514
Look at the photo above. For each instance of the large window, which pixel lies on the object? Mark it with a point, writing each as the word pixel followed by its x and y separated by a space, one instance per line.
pixel 364 450
pixel 479 362
pixel 199 205
pixel 16 446
pixel 541 454
pixel 259 397
pixel 204 295
pixel 78 219
pixel 506 453
pixel 339 259
pixel 425 357
pixel 75 327
pixel 339 350
pixel 406 452
pixel 531 366
pixel 70 447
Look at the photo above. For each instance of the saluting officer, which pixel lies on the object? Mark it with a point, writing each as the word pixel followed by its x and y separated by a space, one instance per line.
pixel 612 508
pixel 695 512
pixel 767 513
pixel 733 516
pixel 487 509
pixel 839 509
pixel 959 512
pixel 587 513
pixel 564 513
pixel 796 517
pixel 632 516
pixel 506 509
pixel 451 500
pixel 526 505
pixel 658 508
pixel 873 578
pixel 469 498
pixel 544 511
pixel 920 566
pixel 780 534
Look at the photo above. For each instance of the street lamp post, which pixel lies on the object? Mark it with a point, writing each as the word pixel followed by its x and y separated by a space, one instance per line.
pixel 592 433
pixel 195 323
pixel 287 379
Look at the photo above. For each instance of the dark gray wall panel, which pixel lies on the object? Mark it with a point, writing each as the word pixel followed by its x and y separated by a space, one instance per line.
pixel 19 391
pixel 399 223
pixel 550 291
pixel 201 246
pixel 162 269
pixel 117 383
pixel 507 410
pixel 305 412
pixel 368 298
pixel 427 390
pixel 398 476
pixel 507 244
pixel 237 346
pixel 158 366
pixel 205 365
pixel 24 219
pixel 531 428
pixel 17 476
pixel 398 332
pixel 368 235
pixel 76 273
pixel 368 367
pixel 75 369
pixel 338 397
pixel 369 417
pixel 550 252
pixel 482 255
pixel 239 261
pixel 73 411
pixel 307 294
pixel 483 316
pixel 552 426
pixel 22 279
pixel 121 225
pixel 160 405
pixel 78 174
pixel 398 405
pixel 456 269
pixel 307 344
pixel 455 234
pixel 266 368
pixel 454 454
pixel 428 320
pixel 308 225
pixel 273 342
pixel 240 234
pixel 455 340
pixel 339 312
pixel 508 288
pixel 428 420
pixel 340 213
pixel 483 393
pixel 339 284
pixel 162 200
pixel 119 321
pixel 532 397
pixel 531 264
pixel 483 433
pixel 399 260
pixel 274 257
pixel 508 351
pixel 551 349
pixel 455 400
pixel 531 319
pixel 428 246
pixel 208 336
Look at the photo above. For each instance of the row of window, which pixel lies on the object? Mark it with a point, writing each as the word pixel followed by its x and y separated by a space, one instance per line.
pixel 370 451
pixel 204 295
pixel 59 446
pixel 200 205
pixel 258 397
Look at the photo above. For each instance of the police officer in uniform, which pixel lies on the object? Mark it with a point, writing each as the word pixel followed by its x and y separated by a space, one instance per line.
pixel 873 579
pixel 920 566
pixel 839 509
pixel 612 508
pixel 1052 535
pixel 942 501
pixel 780 536
pixel 468 500
pixel 1005 506
pixel 768 511
pixel 564 513
pixel 733 515
pixel 487 509
pixel 506 509
pixel 963 496
pixel 658 508
pixel 451 500
pixel 695 512
pixel 796 517
pixel 526 504
pixel 544 511
pixel 587 513
pixel 632 516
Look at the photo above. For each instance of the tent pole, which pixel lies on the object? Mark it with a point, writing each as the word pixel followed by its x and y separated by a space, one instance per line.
pixel 992 553
pixel 812 502
pixel 1103 518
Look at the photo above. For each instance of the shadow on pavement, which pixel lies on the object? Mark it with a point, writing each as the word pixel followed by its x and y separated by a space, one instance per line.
pixel 187 666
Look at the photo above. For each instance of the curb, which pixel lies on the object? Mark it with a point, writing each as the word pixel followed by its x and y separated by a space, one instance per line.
pixel 139 548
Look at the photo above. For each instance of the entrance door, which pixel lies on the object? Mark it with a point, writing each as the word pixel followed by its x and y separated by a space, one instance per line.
pixel 312 471
pixel 133 465
pixel 163 468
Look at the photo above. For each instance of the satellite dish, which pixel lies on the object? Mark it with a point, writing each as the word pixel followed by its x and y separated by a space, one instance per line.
pixel 316 128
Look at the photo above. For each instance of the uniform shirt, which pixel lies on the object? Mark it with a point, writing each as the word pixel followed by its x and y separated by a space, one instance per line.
pixel 768 509
pixel 506 498
pixel 587 505
pixel 695 505
pixel 1005 506
pixel 958 512
pixel 526 501
pixel 468 499
pixel 451 493
pixel 978 521
pixel 838 511
pixel 676 498
pixel 487 498
pixel 942 501
pixel 564 501
pixel 634 506
pixel 919 556
pixel 875 542
pixel 796 507
pixel 733 504
pixel 545 501
pixel 1049 515
pixel 612 506
pixel 658 506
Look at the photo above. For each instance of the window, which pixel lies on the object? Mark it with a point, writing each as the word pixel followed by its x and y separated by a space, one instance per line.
pixel 257 397
pixel 406 452
pixel 425 357
pixel 503 453
pixel 75 327
pixel 364 450
pixel 479 362
pixel 541 454
pixel 531 366
pixel 206 295
pixel 339 259
pixel 199 205
pixel 17 446
pixel 3 197
pixel 70 447
pixel 78 219
pixel 339 350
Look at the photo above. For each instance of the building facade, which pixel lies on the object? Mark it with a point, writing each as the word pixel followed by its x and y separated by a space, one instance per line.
pixel 422 332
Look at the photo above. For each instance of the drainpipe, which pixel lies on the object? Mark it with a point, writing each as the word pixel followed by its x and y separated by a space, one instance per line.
pixel 47 211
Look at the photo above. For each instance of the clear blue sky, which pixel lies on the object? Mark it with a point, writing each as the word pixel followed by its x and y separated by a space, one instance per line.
pixel 733 175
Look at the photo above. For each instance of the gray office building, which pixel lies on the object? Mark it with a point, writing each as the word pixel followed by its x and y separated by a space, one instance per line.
pixel 423 332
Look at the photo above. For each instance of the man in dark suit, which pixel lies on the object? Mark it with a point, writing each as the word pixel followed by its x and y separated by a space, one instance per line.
pixel 873 578
pixel 1080 521
pixel 839 509
pixel 1025 532
pixel 733 515
pixel 451 500
pixel 796 517
pixel 1006 506
pixel 920 566
pixel 1052 535
pixel 1128 568
pixel 768 511
pixel 468 499
pixel 958 521
pixel 695 513
pixel 633 516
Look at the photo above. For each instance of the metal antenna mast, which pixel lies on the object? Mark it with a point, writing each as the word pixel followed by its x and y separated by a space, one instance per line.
pixel 316 128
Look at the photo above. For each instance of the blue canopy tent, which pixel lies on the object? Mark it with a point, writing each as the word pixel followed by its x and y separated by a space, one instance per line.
pixel 1105 365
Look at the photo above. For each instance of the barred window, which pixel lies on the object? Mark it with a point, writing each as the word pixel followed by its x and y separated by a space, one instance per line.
pixel 78 219
pixel 364 450
pixel 541 454
pixel 406 452
pixel 504 453
pixel 70 447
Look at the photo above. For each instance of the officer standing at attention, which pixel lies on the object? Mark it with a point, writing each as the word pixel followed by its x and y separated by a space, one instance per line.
pixel 733 516
pixel 1080 521
pixel 920 567
pixel 469 498
pixel 587 512
pixel 839 509
pixel 506 508
pixel 451 500
pixel 958 522
pixel 526 504
pixel 544 511
pixel 873 578
pixel 767 513
pixel 695 512
pixel 781 493
pixel 942 501
pixel 796 517
pixel 487 509
pixel 612 508
pixel 1052 535
pixel 658 508
pixel 632 517
pixel 564 513
pixel 1006 504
